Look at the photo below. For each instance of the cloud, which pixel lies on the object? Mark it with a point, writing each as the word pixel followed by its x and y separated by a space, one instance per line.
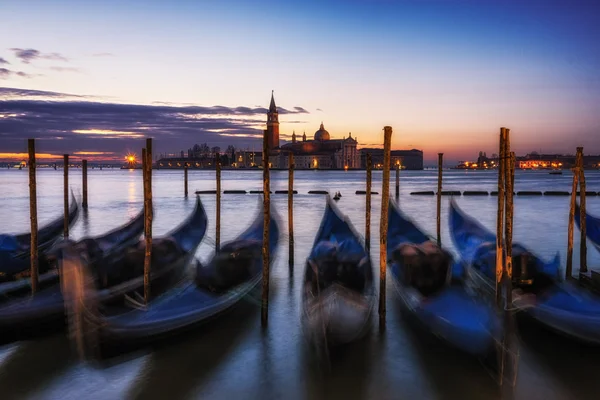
pixel 3 61
pixel 318 109
pixel 6 73
pixel 103 55
pixel 28 55
pixel 65 69
pixel 66 124
pixel 12 93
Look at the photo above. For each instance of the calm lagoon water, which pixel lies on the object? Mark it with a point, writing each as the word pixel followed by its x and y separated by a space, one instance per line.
pixel 233 357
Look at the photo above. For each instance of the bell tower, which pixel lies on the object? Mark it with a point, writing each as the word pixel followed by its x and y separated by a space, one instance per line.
pixel 273 124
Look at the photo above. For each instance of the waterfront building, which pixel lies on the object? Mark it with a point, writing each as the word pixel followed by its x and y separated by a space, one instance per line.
pixel 407 159
pixel 322 152
pixel 247 159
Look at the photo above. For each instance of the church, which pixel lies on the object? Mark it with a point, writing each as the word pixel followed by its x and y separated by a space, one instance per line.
pixel 321 152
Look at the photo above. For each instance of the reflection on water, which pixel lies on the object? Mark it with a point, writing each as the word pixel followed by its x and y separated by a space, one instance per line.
pixel 232 357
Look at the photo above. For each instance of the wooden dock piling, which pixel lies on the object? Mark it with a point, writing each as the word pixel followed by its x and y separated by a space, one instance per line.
pixel 218 205
pixel 147 157
pixel 397 180
pixel 509 345
pixel 439 199
pixel 368 205
pixel 266 222
pixel 66 195
pixel 84 204
pixel 500 216
pixel 383 226
pixel 33 216
pixel 569 267
pixel 582 219
pixel 291 209
pixel 508 193
pixel 185 180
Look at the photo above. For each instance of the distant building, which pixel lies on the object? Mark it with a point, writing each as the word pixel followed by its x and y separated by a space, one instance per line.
pixel 247 159
pixel 320 153
pixel 407 159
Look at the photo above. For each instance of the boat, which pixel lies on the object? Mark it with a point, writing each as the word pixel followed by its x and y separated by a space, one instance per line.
pixel 592 226
pixel 338 289
pixel 96 250
pixel 538 287
pixel 234 272
pixel 434 293
pixel 119 272
pixel 555 172
pixel 15 250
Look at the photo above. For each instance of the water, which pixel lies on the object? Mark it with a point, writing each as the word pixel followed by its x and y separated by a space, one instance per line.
pixel 234 358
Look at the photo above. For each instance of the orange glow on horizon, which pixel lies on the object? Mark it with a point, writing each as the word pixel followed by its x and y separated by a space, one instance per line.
pixel 25 156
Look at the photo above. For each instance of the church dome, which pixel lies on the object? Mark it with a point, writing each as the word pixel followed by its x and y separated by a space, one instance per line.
pixel 321 134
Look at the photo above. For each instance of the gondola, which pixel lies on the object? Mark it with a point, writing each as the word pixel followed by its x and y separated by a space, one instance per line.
pixel 15 250
pixel 96 250
pixel 439 299
pixel 338 290
pixel 592 227
pixel 539 290
pixel 231 274
pixel 119 273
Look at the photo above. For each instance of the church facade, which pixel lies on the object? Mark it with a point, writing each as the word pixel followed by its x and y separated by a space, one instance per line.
pixel 321 152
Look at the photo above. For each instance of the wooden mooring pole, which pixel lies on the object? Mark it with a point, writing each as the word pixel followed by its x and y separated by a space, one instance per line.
pixel 84 204
pixel 582 219
pixel 185 180
pixel 397 180
pixel 33 216
pixel 368 205
pixel 266 222
pixel 383 226
pixel 218 205
pixel 569 267
pixel 149 216
pixel 509 345
pixel 500 217
pixel 66 195
pixel 291 209
pixel 439 199
pixel 508 193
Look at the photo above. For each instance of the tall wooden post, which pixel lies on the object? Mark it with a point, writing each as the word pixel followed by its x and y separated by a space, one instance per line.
pixel 291 208
pixel 508 193
pixel 569 267
pixel 266 222
pixel 368 205
pixel 383 226
pixel 439 199
pixel 33 216
pixel 218 206
pixel 149 216
pixel 397 180
pixel 185 180
pixel 509 350
pixel 149 166
pixel 84 204
pixel 66 195
pixel 500 216
pixel 582 219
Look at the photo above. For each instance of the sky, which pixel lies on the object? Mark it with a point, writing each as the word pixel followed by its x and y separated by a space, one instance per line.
pixel 94 78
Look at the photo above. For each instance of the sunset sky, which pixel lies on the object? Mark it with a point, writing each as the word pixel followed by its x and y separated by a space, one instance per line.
pixel 99 76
